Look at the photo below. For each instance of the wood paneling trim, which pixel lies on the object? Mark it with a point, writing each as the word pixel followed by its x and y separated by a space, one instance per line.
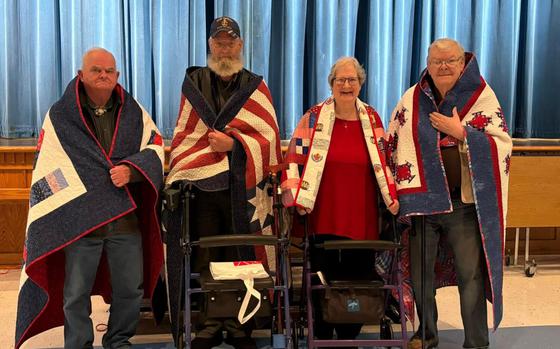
pixel 11 259
pixel 534 149
pixel 16 167
pixel 9 194
pixel 17 149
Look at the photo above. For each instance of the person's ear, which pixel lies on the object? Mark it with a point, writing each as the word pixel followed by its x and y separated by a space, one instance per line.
pixel 80 74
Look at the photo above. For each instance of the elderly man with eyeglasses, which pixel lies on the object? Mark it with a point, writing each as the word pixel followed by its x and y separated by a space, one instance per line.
pixel 449 150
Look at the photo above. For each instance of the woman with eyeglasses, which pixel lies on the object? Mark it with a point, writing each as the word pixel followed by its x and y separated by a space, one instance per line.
pixel 336 172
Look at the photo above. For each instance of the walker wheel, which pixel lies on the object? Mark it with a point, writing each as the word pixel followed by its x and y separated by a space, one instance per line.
pixel 530 268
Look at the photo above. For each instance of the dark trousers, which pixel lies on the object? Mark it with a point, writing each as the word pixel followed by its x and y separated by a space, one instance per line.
pixel 211 215
pixel 461 230
pixel 124 256
pixel 338 265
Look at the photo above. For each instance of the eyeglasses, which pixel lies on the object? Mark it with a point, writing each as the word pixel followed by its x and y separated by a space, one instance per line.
pixel 342 81
pixel 225 44
pixel 452 62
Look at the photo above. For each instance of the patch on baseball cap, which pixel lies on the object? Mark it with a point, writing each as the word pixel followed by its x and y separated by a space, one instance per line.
pixel 225 24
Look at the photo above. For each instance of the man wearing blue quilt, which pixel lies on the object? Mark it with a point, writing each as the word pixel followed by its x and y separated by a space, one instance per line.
pixel 449 150
pixel 92 224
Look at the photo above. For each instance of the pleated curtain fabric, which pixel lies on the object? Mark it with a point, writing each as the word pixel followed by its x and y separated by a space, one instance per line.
pixel 292 43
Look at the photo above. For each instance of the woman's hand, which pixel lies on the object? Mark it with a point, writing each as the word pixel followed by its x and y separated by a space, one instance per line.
pixel 303 210
pixel 394 207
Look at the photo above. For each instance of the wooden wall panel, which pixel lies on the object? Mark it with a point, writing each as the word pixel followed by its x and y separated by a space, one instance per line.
pixel 13 218
pixel 16 165
pixel 534 192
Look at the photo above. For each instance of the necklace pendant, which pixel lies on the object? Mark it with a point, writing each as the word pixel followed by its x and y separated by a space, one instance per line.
pixel 100 111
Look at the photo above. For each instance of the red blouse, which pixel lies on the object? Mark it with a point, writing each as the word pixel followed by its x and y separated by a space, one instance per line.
pixel 346 204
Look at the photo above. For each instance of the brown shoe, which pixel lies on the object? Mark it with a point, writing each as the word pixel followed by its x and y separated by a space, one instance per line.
pixel 416 342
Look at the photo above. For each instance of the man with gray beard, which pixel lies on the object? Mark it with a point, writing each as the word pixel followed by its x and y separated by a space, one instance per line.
pixel 224 143
pixel 225 74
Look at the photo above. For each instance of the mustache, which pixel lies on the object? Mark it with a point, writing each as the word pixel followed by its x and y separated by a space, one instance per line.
pixel 225 66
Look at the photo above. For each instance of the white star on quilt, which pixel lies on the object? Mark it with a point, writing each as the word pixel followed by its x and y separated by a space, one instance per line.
pixel 260 206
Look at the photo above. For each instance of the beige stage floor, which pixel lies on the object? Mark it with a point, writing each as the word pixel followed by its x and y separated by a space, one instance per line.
pixel 527 302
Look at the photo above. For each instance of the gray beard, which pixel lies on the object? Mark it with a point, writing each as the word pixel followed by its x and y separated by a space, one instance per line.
pixel 225 66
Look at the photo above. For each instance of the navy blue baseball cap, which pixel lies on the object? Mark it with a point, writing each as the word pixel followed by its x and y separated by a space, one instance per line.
pixel 225 24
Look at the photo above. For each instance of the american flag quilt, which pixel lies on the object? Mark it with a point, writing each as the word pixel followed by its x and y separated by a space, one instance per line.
pixel 249 118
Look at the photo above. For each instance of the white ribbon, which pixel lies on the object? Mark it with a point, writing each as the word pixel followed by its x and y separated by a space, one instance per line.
pixel 246 271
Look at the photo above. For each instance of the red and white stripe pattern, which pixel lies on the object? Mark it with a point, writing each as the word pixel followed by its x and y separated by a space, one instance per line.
pixel 255 127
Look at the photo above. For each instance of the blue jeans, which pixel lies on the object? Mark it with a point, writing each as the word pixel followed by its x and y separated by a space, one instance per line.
pixel 124 255
pixel 461 230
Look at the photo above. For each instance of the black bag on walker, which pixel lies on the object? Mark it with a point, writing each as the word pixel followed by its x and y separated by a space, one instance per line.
pixel 237 289
pixel 352 305
pixel 227 304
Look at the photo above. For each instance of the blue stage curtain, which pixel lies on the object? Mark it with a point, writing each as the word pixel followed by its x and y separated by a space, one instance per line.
pixel 292 43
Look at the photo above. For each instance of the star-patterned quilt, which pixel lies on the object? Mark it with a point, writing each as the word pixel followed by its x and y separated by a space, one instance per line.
pixel 413 148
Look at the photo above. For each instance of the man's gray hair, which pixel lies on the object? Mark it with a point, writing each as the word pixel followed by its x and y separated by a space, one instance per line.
pixel 97 49
pixel 347 60
pixel 445 44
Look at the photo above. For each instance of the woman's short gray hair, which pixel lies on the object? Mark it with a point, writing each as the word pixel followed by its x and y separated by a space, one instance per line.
pixel 347 60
